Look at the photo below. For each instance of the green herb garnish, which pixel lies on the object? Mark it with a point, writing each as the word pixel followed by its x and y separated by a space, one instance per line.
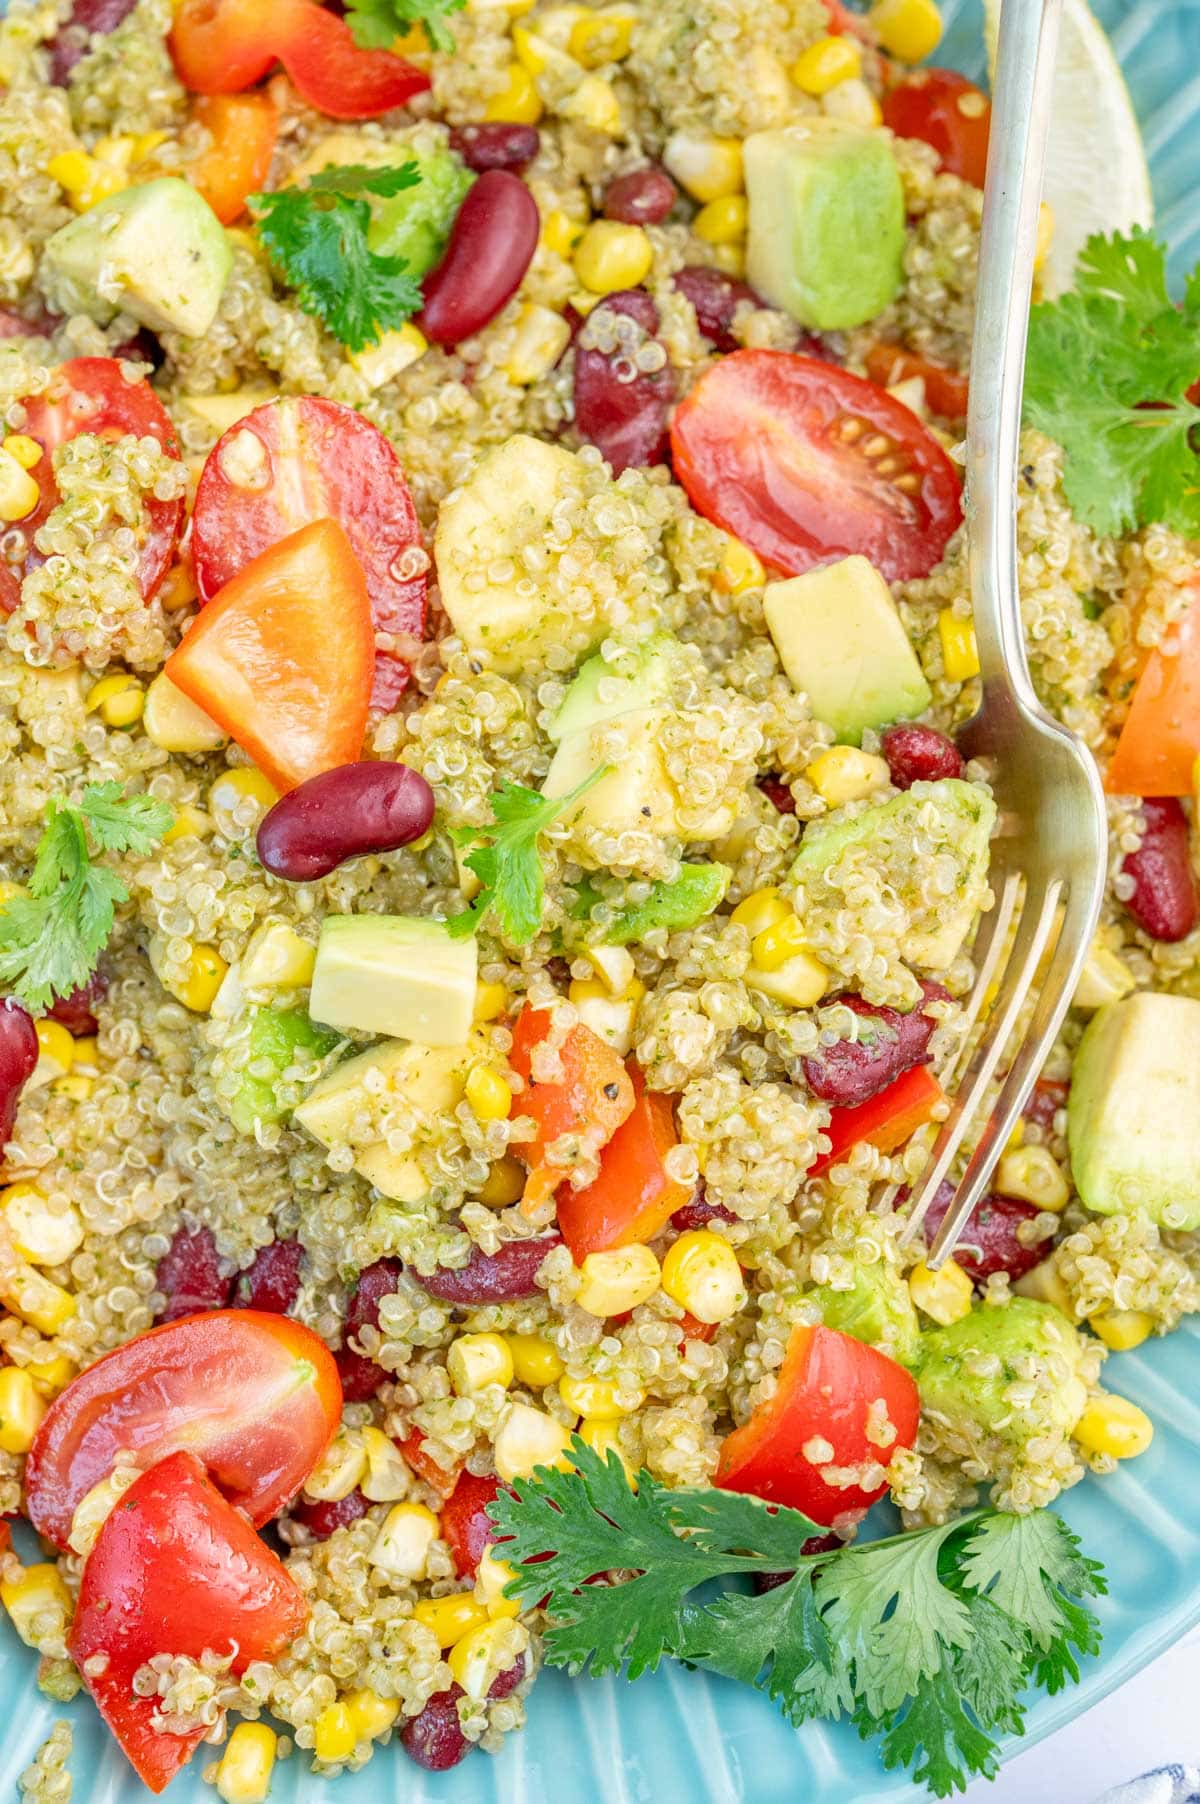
pixel 1107 374
pixel 51 939
pixel 507 862
pixel 376 24
pixel 925 1639
pixel 317 237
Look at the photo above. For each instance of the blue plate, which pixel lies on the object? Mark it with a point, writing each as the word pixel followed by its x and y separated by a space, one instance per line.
pixel 678 1737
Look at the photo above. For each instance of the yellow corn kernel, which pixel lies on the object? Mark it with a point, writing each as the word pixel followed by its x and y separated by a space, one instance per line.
pixel 189 823
pixel 403 1543
pixel 38 1603
pixel 73 170
pixel 491 1000
pixel 909 30
pixel 450 1618
pixel 1122 1329
pixel 594 103
pixel 707 166
pixel 21 1410
pixel 615 965
pixel 340 1469
pixel 846 774
pixel 27 451
pixel 1033 1174
pixel 1045 1285
pixel 583 302
pixel 617 1280
pixel 730 259
pixel 474 1361
pixel 145 144
pixel 960 654
pixel 244 1770
pixel 532 52
pixel 74 1088
pixel 560 233
pixel 598 1398
pixel 541 337
pixel 491 1576
pixel 603 37
pixel 765 908
pixel 702 1274
pixel 528 1438
pixel 739 569
pixel 87 1053
pixel 277 958
pixel 611 256
pixel 604 1437
pixel 800 982
pixel 40 1234
pixel 371 1714
pixel 388 1477
pixel 518 102
pixel 826 63
pixel 52 1375
pixel 19 493
pixel 198 991
pixel 335 1735
pixel 45 1305
pixel 481 1656
pixel 944 1295
pixel 382 362
pixel 118 699
pixel 1045 234
pixel 722 221
pixel 776 944
pixel 854 102
pixel 229 794
pixel 179 588
pixel 1016 1135
pixel 1115 1426
pixel 488 1094
pixel 56 1049
pixel 173 722
pixel 1104 978
pixel 536 1361
pixel 504 1184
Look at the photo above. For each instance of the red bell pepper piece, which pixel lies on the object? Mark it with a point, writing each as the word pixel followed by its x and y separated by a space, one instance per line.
pixel 886 1120
pixel 1160 739
pixel 592 1097
pixel 632 1198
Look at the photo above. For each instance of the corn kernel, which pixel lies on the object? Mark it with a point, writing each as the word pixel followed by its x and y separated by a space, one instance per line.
pixel 388 1477
pixel 776 944
pixel 19 493
pixel 536 1361
pixel 604 1437
pixel 594 103
pixel 722 221
pixel 739 569
pixel 119 700
pixel 45 1305
pixel 340 1469
pixel 206 969
pixel 708 167
pixel 227 795
pixel 560 233
pixel 533 53
pixel 826 63
pixel 541 337
pixel 853 101
pixel 403 1543
pixel 504 1184
pixel 765 908
pixel 189 823
pixel 38 1603
pixel 615 965
pixel 1104 978
pixel 730 259
pixel 73 170
pixel 603 37
pixel 491 1000
pixel 1045 234
pixel 518 102
pixel 610 1017
pixel 846 774
pixel 1114 1426
pixel 598 1398
pixel 481 1656
pixel 800 982
pixel 943 1295
pixel 277 958
pixel 73 1087
pixel 491 1576
pixel 450 1618
pixel 488 1094
pixel 617 1280
pixel 383 361
pixel 611 256
pixel 52 1375
pixel 244 1769
pixel 909 30
pixel 1122 1329
pixel 702 1274
pixel 476 1360
pixel 96 1506
pixel 56 1050
pixel 40 1234
pixel 528 1438
pixel 335 1735
pixel 960 654
pixel 1045 1285
pixel 173 722
pixel 371 1714
pixel 21 1410
pixel 27 451
pixel 178 590
pixel 1033 1174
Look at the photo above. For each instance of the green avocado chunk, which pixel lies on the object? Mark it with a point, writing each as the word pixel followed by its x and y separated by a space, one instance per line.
pixel 877 1309
pixel 675 904
pixel 1133 1116
pixel 279 1035
pixel 596 694
pixel 826 224
pixel 415 223
pixel 400 975
pixel 156 251
pixel 965 1372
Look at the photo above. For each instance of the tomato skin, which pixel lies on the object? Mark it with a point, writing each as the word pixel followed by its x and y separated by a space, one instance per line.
pixel 256 1395
pixel 175 1570
pixel 827 1385
pixel 947 111
pixel 758 446
pixel 1160 739
pixel 945 388
pixel 322 460
pixel 632 1198
pixel 886 1120
pixel 466 1527
pixel 222 46
pixel 593 1093
pixel 244 128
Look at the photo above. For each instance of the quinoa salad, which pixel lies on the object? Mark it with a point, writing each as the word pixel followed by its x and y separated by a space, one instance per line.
pixel 487 880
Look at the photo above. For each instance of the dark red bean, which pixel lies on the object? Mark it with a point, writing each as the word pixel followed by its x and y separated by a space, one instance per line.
pixel 434 1738
pixel 502 1277
pixel 86 17
pixel 699 1213
pixel 140 347
pixel 272 1282
pixel 623 415
pixel 506 1682
pixel 76 1010
pixel 15 325
pixel 375 806
pixel 1163 902
pixel 484 147
pixel 1047 1097
pixel 633 303
pixel 771 1581
pixel 989 1241
pixel 643 197
pixel 778 794
pixel 18 1057
pixel 491 246
pixel 715 299
pixel 852 1071
pixel 189 1275
pixel 360 1376
pixel 320 1519
pixel 919 754
pixel 466 1526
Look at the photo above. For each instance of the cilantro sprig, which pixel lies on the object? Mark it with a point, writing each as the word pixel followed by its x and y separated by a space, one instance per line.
pixel 926 1640
pixel 507 862
pixel 376 24
pixel 1107 374
pixel 51 938
pixel 317 238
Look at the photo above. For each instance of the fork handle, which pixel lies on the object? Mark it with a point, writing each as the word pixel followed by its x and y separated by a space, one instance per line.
pixel 1016 157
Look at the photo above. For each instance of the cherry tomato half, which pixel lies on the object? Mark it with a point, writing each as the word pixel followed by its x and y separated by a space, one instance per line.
pixel 175 1570
pixel 302 459
pixel 806 463
pixel 946 111
pixel 467 1529
pixel 256 1396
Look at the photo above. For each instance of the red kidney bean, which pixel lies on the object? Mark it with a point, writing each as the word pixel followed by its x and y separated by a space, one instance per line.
pixel 699 1212
pixel 15 325
pixel 491 246
pixel 484 147
pixel 778 794
pixel 501 1277
pixel 320 1519
pixel 71 43
pixel 1047 1097
pixel 189 1275
pixel 1163 902
pixel 715 299
pixel 770 1581
pixel 18 1057
pixel 851 1071
pixel 341 814
pixel 989 1241
pixel 643 197
pixel 272 1282
pixel 360 1376
pixel 75 1011
pixel 624 415
pixel 434 1738
pixel 918 754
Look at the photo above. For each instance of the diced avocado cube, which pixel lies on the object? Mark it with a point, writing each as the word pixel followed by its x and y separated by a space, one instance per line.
pixel 282 1036
pixel 157 251
pixel 1133 1116
pixel 842 643
pixel 930 848
pixel 637 794
pixel 596 693
pixel 675 904
pixel 825 235
pixel 220 412
pixel 415 224
pixel 877 1309
pixel 976 1374
pixel 394 974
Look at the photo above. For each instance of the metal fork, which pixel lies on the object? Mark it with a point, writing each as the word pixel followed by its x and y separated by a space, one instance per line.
pixel 1049 853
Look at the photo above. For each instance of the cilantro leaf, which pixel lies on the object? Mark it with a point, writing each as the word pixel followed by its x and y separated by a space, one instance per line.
pixel 376 24
pixel 317 238
pixel 1026 1565
pixel 120 823
pixel 507 862
pixel 936 1737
